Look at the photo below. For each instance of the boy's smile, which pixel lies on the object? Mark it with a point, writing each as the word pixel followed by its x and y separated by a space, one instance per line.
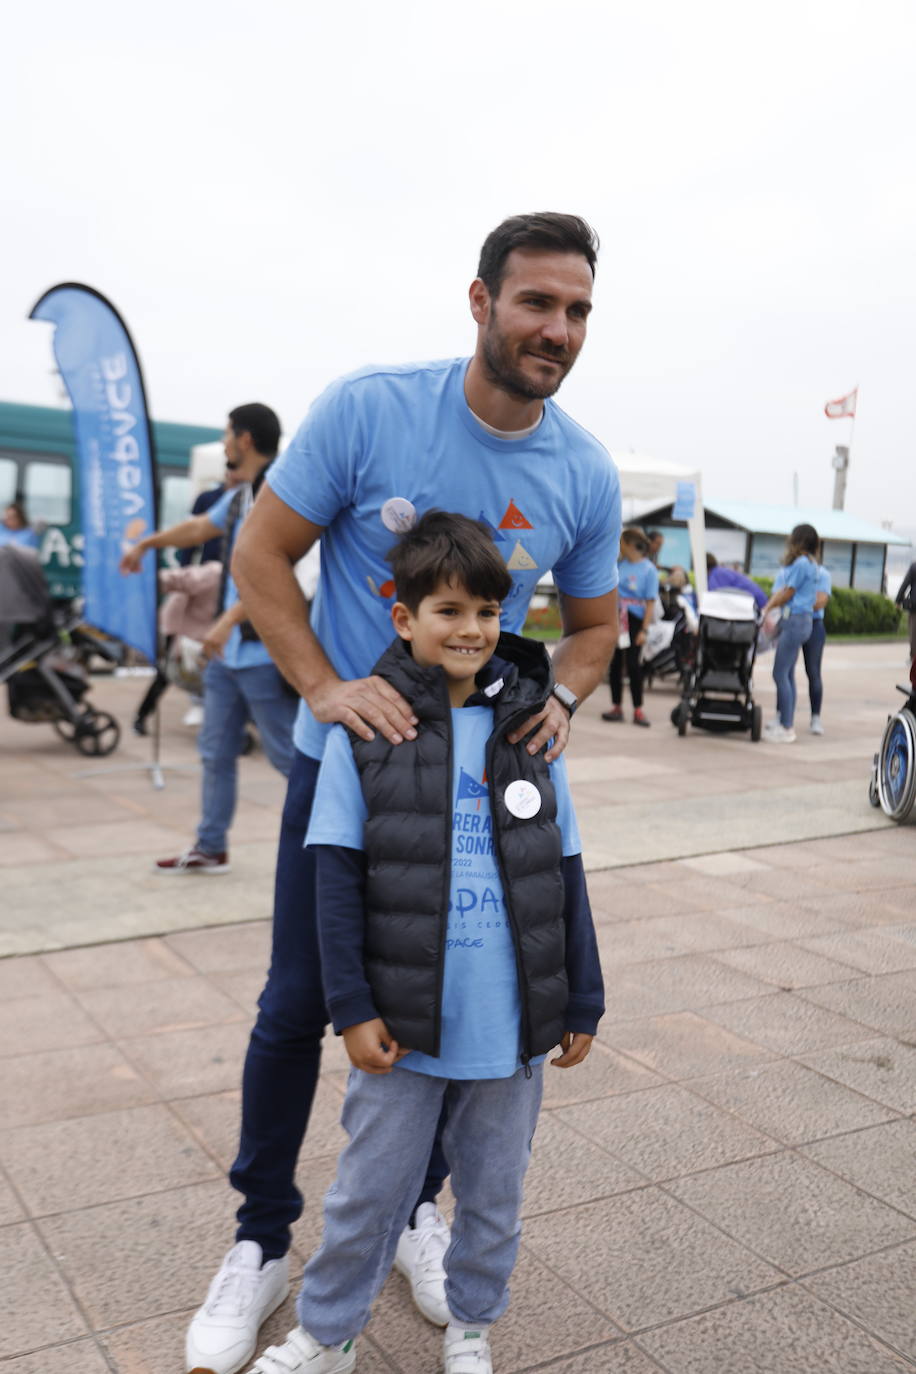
pixel 453 630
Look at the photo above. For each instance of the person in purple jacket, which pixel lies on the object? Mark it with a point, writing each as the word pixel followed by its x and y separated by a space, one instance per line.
pixel 718 577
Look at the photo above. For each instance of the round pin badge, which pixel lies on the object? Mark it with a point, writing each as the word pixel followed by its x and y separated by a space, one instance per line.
pixel 399 514
pixel 522 799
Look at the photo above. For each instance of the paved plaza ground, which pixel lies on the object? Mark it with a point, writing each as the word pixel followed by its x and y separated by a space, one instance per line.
pixel 728 1186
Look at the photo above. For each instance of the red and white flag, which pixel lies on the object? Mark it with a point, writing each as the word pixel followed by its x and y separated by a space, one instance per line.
pixel 845 406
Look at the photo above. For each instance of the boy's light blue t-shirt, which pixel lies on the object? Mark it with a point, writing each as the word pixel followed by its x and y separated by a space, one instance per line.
pixel 481 1007
pixel 239 652
pixel 383 444
pixel 638 583
pixel 802 575
pixel 824 584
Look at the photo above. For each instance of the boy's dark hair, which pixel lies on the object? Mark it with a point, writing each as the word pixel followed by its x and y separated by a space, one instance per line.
pixel 442 547
pixel 261 423
pixel 547 231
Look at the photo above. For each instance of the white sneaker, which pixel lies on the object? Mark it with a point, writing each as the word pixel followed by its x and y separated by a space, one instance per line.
pixel 194 715
pixel 419 1256
pixel 815 727
pixel 778 734
pixel 300 1353
pixel 467 1350
pixel 223 1334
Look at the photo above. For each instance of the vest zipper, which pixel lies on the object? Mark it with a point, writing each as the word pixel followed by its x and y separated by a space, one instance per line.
pixel 447 881
pixel 504 727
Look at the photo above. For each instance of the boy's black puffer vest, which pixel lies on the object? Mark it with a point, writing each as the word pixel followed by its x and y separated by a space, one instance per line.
pixel 408 843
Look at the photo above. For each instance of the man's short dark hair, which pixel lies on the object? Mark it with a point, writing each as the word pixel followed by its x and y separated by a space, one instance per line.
pixel 711 562
pixel 261 423
pixel 546 231
pixel 442 547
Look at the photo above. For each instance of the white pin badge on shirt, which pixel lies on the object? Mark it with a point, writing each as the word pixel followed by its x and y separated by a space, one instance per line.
pixel 522 799
pixel 399 515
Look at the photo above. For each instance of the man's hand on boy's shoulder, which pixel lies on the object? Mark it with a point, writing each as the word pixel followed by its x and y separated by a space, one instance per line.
pixel 371 1046
pixel 364 704
pixel 552 723
pixel 575 1046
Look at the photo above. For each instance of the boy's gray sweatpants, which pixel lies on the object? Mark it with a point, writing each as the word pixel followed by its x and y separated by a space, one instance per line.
pixel 391 1120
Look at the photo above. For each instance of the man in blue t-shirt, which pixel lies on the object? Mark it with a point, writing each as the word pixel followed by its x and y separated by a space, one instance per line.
pixel 240 680
pixel 377 449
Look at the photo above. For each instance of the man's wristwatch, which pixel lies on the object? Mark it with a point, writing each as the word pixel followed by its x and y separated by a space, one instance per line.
pixel 565 697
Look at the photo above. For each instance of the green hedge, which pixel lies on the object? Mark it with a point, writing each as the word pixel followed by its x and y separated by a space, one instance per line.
pixel 850 612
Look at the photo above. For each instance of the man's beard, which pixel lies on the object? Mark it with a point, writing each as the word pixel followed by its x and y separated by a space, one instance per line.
pixel 502 372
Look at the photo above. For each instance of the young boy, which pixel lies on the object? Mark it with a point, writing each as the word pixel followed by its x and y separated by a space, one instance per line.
pixel 457 949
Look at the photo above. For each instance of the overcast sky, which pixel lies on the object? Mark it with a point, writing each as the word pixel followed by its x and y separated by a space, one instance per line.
pixel 274 194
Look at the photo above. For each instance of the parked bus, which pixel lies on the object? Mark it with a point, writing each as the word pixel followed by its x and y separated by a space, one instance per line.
pixel 37 467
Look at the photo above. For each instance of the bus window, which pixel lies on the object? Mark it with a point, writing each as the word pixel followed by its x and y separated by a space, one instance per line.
pixel 8 470
pixel 47 491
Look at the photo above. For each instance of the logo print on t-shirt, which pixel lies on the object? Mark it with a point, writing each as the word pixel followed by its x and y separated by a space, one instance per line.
pixel 469 789
pixel 494 532
pixel 385 591
pixel 514 520
pixel 520 559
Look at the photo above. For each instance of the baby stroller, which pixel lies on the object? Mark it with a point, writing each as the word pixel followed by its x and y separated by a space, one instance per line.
pixel 671 645
pixel 718 694
pixel 43 656
pixel 893 780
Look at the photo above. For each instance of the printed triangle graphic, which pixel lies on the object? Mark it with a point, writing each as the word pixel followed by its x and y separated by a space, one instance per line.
pixel 521 560
pixel 494 532
pixel 514 520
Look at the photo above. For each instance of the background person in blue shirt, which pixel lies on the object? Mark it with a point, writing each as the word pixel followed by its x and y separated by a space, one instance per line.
pixel 240 680
pixel 796 592
pixel 637 590
pixel 487 980
pixel 15 528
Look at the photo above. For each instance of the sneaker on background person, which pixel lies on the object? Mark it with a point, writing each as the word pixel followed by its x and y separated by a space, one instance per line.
pixel 640 719
pixel 194 715
pixel 223 1334
pixel 419 1257
pixel 193 860
pixel 615 713
pixel 816 727
pixel 775 733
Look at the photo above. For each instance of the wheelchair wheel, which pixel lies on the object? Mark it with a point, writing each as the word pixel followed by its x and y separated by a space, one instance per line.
pixel 897 766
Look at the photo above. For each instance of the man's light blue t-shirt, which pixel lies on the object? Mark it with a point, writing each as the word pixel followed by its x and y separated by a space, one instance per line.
pixel 802 575
pixel 239 652
pixel 386 444
pixel 824 584
pixel 638 583
pixel 481 1007
pixel 26 539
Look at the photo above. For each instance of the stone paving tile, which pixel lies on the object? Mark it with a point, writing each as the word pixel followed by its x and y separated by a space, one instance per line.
pixel 46 1022
pixel 214 1120
pixel 787 966
pixel 122 837
pixel 785 920
pixel 119 965
pixel 168 1248
pixel 65 1165
pixel 790 1102
pixel 10 1210
pixel 186 1063
pixel 884 1003
pixel 852 909
pixel 880 1161
pixel 69 1083
pixel 793 1213
pixel 787 1023
pixel 638 902
pixel 243 988
pixel 686 982
pixel 665 1132
pixel 81 1357
pixel 784 1332
pixel 683 1045
pixel 237 949
pixel 566 1169
pixel 729 862
pixel 878 1293
pixel 605 1359
pixel 25 977
pixel 869 951
pixel 38 1309
pixel 642 1258
pixel 16 848
pixel 883 1069
pixel 604 1073
pixel 172 1004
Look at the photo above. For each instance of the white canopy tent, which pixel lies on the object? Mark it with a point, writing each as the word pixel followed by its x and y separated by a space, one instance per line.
pixel 647 483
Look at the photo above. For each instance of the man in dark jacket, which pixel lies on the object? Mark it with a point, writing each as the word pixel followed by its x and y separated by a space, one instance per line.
pixel 457 949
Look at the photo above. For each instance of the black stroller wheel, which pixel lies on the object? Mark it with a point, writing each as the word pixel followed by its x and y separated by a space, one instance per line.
pixel 756 724
pixel 66 728
pixel 897 766
pixel 683 715
pixel 97 734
